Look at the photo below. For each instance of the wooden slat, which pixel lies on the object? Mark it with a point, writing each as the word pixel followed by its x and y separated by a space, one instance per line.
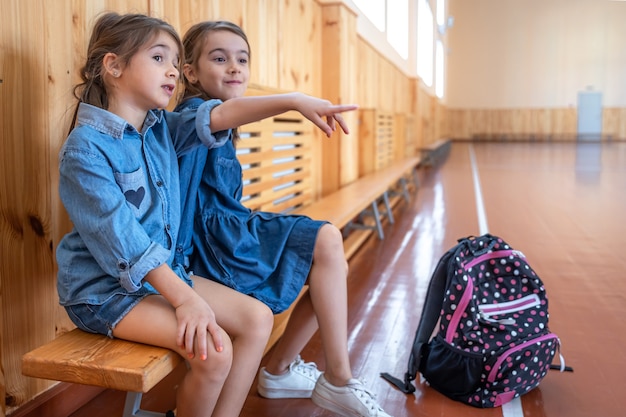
pixel 269 155
pixel 301 165
pixel 91 359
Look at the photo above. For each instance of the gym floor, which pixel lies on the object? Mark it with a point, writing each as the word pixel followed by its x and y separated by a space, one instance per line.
pixel 562 204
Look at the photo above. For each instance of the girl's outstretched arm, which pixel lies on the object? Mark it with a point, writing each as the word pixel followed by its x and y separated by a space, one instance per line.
pixel 242 110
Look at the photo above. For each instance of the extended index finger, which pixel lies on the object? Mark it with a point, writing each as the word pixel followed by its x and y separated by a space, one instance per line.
pixel 341 108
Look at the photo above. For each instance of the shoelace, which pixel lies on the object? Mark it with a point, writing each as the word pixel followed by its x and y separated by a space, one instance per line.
pixel 367 398
pixel 306 368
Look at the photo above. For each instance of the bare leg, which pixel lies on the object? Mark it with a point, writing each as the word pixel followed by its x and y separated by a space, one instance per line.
pixel 198 392
pixel 219 385
pixel 301 326
pixel 325 304
pixel 249 324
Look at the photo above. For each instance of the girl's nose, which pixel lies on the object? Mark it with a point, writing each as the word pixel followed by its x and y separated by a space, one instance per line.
pixel 173 72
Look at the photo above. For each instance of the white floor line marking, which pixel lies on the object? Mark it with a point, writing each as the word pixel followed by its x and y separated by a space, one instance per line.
pixel 514 407
pixel 480 207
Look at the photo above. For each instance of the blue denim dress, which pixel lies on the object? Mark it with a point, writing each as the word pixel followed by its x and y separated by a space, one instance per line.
pixel 120 188
pixel 265 255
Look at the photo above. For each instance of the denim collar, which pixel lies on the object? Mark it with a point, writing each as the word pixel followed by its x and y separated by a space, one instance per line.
pixel 111 124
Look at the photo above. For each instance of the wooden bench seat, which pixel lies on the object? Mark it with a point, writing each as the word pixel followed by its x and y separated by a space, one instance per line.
pixel 92 359
pixel 347 207
pixel 434 152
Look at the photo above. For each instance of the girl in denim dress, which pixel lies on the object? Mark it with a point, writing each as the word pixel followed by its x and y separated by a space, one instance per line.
pixel 119 272
pixel 266 255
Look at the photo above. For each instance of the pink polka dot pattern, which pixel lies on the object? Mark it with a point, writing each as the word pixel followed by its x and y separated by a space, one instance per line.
pixel 492 343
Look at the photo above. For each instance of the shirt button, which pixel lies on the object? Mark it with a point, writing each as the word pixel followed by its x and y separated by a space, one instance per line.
pixel 167 227
pixel 159 183
pixel 122 265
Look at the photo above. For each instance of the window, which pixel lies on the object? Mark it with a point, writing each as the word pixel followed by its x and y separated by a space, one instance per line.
pixel 441 12
pixel 398 26
pixel 418 25
pixel 390 17
pixel 425 42
pixel 439 69
pixel 374 11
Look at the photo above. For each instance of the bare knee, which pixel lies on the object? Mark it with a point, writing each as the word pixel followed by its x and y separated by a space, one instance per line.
pixel 329 248
pixel 216 366
pixel 258 321
pixel 261 322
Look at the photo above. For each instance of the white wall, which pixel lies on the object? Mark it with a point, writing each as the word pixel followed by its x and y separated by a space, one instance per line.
pixel 535 53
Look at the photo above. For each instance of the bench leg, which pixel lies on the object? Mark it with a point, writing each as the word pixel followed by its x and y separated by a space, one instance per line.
pixel 379 225
pixel 416 179
pixel 388 207
pixel 405 189
pixel 131 407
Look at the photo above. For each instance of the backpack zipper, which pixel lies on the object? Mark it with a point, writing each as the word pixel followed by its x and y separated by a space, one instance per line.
pixel 486 311
pixel 469 288
pixel 493 255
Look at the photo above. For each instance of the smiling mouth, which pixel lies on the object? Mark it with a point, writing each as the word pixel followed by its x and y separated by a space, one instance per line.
pixel 169 89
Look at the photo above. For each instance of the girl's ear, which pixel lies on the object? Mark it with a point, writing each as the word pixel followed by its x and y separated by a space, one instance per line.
pixel 190 74
pixel 112 65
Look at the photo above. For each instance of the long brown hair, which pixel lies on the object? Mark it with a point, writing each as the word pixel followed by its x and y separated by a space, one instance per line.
pixel 122 35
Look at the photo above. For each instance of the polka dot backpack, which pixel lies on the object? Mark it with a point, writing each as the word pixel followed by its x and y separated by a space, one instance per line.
pixel 492 342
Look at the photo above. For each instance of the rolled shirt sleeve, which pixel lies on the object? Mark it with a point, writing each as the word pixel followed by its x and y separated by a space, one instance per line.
pixel 192 123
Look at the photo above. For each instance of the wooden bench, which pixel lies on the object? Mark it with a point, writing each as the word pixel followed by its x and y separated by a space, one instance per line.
pixel 352 205
pixel 275 154
pixel 92 359
pixel 434 152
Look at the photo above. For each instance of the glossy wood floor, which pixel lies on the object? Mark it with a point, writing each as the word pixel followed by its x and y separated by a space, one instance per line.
pixel 562 204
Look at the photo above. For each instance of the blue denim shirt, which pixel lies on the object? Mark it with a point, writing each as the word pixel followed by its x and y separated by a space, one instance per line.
pixel 120 188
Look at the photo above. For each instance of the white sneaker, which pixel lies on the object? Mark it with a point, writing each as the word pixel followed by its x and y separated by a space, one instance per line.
pixel 353 400
pixel 297 382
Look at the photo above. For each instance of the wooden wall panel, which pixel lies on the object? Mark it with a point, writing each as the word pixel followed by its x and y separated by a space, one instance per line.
pixel 34 77
pixel 262 25
pixel 339 66
pixel 377 135
pixel 299 69
pixel 366 75
pixel 526 123
pixel 614 122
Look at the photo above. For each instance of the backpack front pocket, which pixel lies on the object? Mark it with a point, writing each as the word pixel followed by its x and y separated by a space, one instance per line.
pixel 520 368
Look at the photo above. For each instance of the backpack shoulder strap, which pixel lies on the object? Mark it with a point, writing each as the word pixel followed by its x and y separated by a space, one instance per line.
pixel 430 311
pixel 428 320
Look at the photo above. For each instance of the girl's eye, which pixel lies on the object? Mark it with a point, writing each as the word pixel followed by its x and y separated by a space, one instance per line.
pixel 219 59
pixel 243 61
pixel 158 58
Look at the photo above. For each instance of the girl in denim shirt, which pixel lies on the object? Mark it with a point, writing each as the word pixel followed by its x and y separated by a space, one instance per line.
pixel 269 256
pixel 119 274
